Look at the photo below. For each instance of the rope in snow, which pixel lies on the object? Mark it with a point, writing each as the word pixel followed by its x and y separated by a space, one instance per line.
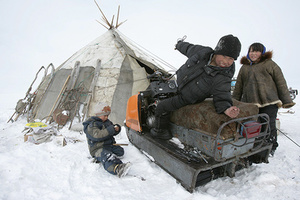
pixel 288 137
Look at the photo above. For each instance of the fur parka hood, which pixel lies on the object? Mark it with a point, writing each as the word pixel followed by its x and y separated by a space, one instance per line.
pixel 266 56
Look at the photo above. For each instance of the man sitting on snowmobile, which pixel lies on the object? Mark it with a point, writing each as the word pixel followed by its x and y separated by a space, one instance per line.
pixel 206 73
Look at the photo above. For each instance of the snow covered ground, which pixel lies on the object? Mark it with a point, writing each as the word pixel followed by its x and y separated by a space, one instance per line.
pixel 50 171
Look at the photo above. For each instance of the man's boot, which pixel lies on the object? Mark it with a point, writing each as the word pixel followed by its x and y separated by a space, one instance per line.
pixel 161 128
pixel 163 134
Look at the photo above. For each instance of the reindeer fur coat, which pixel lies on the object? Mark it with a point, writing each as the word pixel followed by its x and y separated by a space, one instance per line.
pixel 262 83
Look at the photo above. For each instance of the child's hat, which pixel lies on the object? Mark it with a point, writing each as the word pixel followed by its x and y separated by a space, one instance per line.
pixel 228 45
pixel 102 109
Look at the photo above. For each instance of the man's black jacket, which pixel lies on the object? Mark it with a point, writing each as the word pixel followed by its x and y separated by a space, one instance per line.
pixel 197 80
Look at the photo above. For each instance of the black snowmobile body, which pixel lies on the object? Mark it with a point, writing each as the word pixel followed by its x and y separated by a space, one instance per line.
pixel 194 157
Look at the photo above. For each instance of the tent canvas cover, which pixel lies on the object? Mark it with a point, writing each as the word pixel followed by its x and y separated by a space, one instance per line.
pixel 109 69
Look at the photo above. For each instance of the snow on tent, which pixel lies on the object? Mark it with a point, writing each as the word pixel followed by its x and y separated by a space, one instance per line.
pixel 109 69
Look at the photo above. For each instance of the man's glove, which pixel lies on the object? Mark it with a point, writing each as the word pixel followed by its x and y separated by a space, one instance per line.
pixel 180 40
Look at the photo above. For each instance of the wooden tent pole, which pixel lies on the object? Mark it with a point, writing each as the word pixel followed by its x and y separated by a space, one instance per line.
pixel 105 19
pixel 102 24
pixel 118 16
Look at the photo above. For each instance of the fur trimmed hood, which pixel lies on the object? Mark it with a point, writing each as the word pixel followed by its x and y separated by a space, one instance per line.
pixel 266 56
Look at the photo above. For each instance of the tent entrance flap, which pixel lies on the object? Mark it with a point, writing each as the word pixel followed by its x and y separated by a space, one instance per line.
pixel 131 80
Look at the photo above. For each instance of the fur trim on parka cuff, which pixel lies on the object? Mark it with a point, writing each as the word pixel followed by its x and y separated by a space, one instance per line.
pixel 288 105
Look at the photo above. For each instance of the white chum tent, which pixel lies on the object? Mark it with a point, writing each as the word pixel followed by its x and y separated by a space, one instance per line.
pixel 109 69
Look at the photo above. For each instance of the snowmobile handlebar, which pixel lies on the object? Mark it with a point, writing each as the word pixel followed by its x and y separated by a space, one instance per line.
pixel 156 74
pixel 160 76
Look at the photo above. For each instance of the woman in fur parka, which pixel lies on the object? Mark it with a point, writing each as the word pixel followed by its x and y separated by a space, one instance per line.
pixel 261 81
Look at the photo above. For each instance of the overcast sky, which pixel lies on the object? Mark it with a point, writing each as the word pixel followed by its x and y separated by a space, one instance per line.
pixel 35 33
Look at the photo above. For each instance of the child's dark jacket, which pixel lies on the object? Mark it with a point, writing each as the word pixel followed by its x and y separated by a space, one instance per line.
pixel 99 133
pixel 197 80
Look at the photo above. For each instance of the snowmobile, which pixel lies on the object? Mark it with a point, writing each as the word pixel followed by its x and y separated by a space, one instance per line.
pixel 195 155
